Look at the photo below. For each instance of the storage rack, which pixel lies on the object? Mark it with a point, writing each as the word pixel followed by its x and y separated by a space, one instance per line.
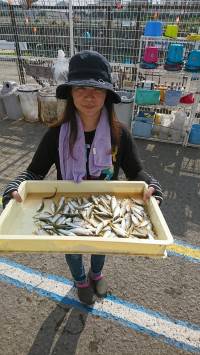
pixel 162 76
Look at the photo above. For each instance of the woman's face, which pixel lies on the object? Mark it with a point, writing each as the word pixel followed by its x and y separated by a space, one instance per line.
pixel 88 100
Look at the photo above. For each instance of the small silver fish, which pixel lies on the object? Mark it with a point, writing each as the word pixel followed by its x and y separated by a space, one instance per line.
pixel 61 220
pixel 134 220
pixel 53 207
pixel 41 206
pixel 55 218
pixel 102 215
pixel 113 203
pixel 120 232
pixel 66 232
pixel 61 205
pixel 43 214
pixel 108 234
pixel 116 212
pixel 137 203
pixel 81 231
pixel 94 199
pixel 101 226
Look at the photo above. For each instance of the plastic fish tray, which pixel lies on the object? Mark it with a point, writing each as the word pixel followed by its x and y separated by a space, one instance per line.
pixel 17 226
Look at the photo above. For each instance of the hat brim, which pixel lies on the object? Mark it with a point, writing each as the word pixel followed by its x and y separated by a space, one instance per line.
pixel 63 90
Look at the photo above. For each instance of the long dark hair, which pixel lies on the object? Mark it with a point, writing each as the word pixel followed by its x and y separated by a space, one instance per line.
pixel 69 116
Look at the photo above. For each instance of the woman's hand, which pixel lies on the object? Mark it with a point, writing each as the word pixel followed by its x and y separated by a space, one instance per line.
pixel 16 196
pixel 148 193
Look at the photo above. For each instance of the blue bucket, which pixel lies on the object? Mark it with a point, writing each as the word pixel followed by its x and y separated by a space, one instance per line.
pixel 142 127
pixel 172 97
pixel 194 137
pixel 153 28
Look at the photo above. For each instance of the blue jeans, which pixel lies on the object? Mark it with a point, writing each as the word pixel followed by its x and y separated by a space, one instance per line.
pixel 75 263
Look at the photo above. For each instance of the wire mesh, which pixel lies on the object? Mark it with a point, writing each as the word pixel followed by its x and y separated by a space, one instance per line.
pixel 36 30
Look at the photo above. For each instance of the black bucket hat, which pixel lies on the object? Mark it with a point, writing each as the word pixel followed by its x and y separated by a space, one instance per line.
pixel 88 68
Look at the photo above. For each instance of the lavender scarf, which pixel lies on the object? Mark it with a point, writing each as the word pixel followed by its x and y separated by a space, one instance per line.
pixel 100 158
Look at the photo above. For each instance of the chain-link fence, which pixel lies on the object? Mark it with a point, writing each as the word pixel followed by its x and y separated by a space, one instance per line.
pixel 33 32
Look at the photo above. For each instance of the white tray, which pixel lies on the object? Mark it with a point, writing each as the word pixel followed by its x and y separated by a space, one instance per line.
pixel 16 222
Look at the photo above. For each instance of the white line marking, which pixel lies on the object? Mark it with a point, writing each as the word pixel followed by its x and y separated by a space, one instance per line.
pixel 177 331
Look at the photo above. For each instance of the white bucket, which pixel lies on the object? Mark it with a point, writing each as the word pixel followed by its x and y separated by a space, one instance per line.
pixel 29 102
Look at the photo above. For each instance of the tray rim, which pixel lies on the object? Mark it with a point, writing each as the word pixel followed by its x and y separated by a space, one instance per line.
pixel 94 240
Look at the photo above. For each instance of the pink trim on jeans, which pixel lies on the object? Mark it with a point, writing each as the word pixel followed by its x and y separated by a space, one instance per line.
pixel 82 285
pixel 96 278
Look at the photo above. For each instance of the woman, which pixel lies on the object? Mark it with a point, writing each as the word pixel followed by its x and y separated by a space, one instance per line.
pixel 89 144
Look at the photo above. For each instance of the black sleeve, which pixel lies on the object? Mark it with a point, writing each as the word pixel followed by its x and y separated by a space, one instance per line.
pixel 129 157
pixel 45 155
pixel 132 166
pixel 41 163
pixel 151 181
pixel 13 185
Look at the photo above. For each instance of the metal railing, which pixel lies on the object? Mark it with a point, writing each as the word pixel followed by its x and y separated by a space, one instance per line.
pixel 114 28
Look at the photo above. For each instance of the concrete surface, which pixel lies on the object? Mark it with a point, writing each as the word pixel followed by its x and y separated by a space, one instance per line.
pixel 34 325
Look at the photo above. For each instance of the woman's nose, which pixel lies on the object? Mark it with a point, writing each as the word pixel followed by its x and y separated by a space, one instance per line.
pixel 89 93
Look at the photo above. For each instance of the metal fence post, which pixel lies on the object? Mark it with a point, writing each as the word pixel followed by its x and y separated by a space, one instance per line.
pixel 71 29
pixel 17 46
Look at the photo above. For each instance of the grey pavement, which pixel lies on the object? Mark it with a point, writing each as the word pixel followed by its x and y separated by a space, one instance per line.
pixel 34 325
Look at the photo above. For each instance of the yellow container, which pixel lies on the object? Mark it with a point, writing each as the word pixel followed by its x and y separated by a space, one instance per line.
pixel 171 31
pixel 17 226
pixel 162 89
pixel 157 119
pixel 193 37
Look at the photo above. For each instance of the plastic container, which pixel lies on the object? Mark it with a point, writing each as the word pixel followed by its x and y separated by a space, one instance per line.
pixel 2 106
pixel 172 97
pixel 175 53
pixel 11 100
pixel 51 109
pixel 124 109
pixel 29 102
pixel 155 130
pixel 153 28
pixel 193 61
pixel 164 132
pixel 194 136
pixel 180 118
pixel 147 97
pixel 162 89
pixel 143 127
pixel 148 84
pixel 151 54
pixel 171 31
pixel 156 125
pixel 163 129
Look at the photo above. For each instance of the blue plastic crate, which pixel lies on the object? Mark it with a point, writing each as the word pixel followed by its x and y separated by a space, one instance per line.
pixel 142 128
pixel 194 137
pixel 153 28
pixel 172 97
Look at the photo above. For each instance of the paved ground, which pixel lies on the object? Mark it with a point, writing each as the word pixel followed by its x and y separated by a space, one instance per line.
pixel 32 324
pixel 8 71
